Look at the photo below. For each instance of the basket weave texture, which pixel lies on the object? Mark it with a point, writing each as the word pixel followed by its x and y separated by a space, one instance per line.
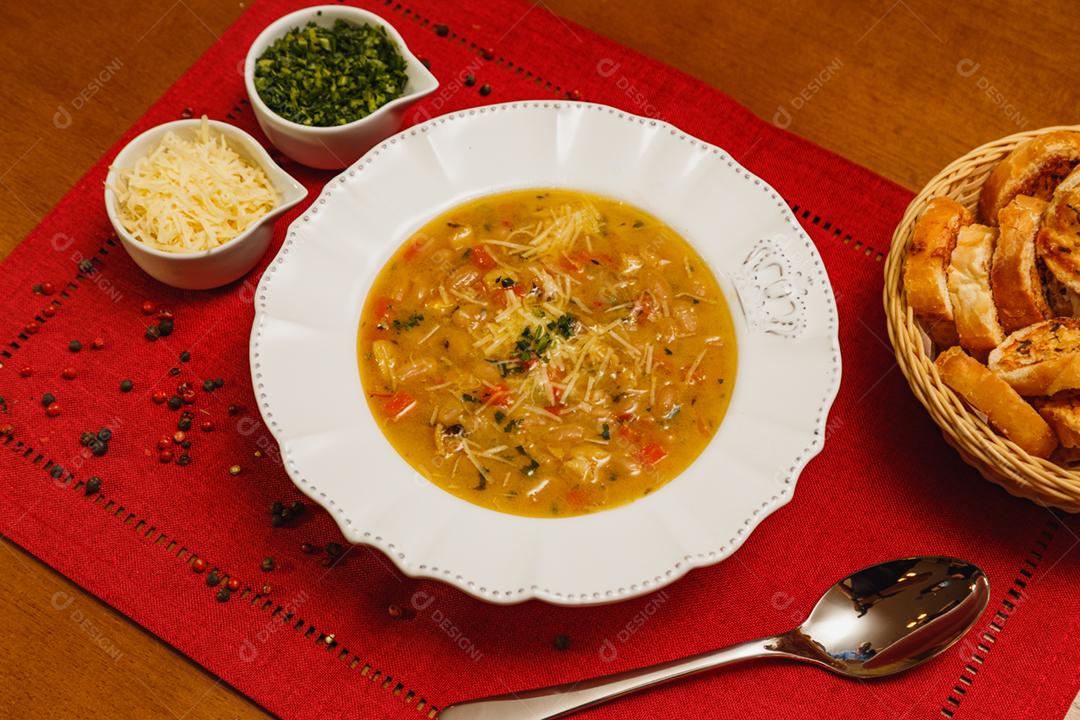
pixel 997 459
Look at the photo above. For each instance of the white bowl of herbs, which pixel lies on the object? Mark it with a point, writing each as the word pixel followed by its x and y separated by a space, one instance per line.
pixel 329 82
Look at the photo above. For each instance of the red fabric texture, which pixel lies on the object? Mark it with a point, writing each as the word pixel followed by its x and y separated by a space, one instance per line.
pixel 885 486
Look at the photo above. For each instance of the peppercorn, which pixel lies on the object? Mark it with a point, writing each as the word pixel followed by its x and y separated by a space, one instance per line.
pixel 562 642
pixel 185 356
pixel 178 437
pixel 74 346
pixel 104 434
pixel 184 459
pixel 93 484
pixel 25 371
pixel 97 343
pixel 308 548
pixel 184 423
pixel 53 410
pixel 56 472
pixel 126 385
pixel 153 333
pixel 213 579
pixel 164 442
pixel 98 448
pixel 223 595
pixel 174 402
pixel 207 426
pixel 47 288
pixel 68 373
pixel 234 410
pixel 276 507
pixel 268 564
pixel 333 549
pixel 174 371
pixel 234 470
pixel 165 456
pixel 442 30
pixel 326 562
pixel 31 328
pixel 470 80
pixel 208 385
pixel 397 612
pixel 159 396
pixel 198 564
pixel 487 53
pixel 233 584
pixel 265 589
pixel 574 95
pixel 485 89
pixel 48 311
pixel 165 327
pixel 219 382
pixel 48 399
pixel 86 438
pixel 148 307
pixel 297 507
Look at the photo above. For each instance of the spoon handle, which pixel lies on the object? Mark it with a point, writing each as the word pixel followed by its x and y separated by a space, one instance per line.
pixel 559 700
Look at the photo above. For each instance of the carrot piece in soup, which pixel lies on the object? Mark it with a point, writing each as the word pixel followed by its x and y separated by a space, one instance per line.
pixel 651 454
pixel 399 404
pixel 481 258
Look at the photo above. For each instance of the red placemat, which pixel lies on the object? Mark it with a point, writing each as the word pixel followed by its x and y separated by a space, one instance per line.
pixel 321 642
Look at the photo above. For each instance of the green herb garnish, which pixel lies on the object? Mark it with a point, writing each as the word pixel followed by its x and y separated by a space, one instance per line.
pixel 326 76
pixel 408 324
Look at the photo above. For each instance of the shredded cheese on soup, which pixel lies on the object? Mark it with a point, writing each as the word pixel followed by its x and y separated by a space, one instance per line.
pixel 192 195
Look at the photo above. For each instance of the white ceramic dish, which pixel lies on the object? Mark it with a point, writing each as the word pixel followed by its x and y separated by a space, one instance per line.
pixel 332 148
pixel 217 266
pixel 308 307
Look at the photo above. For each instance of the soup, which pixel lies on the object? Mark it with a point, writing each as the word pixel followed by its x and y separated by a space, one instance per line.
pixel 547 352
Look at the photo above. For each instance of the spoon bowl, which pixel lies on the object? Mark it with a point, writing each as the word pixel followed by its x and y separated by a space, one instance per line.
pixel 879 621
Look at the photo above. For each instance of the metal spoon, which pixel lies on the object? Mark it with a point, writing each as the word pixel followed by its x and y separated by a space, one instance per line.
pixel 879 621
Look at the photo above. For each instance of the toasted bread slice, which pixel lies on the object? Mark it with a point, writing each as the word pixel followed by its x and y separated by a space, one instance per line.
pixel 925 276
pixel 1014 275
pixel 1007 412
pixel 969 289
pixel 1034 168
pixel 1062 412
pixel 1042 359
pixel 1058 241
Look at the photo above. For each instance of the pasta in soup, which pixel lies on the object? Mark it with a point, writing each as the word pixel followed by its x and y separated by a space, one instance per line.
pixel 547 352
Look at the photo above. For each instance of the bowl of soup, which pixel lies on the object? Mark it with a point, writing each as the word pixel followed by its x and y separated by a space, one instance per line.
pixel 560 352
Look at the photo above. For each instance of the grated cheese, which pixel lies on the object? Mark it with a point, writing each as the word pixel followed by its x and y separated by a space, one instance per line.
pixel 192 195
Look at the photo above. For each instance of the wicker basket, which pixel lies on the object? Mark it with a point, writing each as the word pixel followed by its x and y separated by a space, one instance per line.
pixel 996 458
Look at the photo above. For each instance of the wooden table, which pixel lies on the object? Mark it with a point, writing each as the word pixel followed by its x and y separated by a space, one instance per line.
pixel 900 86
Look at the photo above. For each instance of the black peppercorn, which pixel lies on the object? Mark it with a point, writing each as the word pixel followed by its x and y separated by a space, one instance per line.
pixel 86 438
pixel 183 460
pixel 562 642
pixel 153 333
pixel 175 402
pixel 98 448
pixel 223 595
pixel 268 564
pixel 470 80
pixel 56 472
pixel 442 30
pixel 213 579
pixel 104 434
pixel 92 485
pixel 74 346
pixel 485 89
pixel 333 549
pixel 126 385
pixel 165 327
pixel 184 424
pixel 185 356
pixel 208 385
pixel 174 371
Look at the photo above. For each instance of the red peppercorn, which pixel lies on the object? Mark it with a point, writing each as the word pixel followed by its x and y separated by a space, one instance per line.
pixel 188 398
pixel 31 327
pixel 179 437
pixel 164 442
pixel 48 311
pixel 233 584
pixel 574 95
pixel 165 456
pixel 47 288
pixel 53 410
pixel 198 564
pixel 159 396
pixel 25 371
pixel 98 343
pixel 207 426
pixel 68 373
pixel 148 307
